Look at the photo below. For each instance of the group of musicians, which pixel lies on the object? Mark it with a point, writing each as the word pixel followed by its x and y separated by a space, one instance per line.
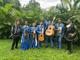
pixel 30 35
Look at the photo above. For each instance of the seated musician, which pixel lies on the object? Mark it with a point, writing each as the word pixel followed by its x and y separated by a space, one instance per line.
pixel 59 32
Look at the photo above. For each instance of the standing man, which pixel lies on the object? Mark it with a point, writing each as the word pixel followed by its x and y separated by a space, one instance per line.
pixel 46 23
pixel 34 37
pixel 70 35
pixel 59 32
pixel 15 31
pixel 50 31
pixel 39 30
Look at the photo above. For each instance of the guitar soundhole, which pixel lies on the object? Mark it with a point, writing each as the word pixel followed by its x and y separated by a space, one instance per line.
pixel 50 28
pixel 41 35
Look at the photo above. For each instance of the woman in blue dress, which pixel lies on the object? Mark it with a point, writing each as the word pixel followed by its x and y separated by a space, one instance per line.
pixel 25 37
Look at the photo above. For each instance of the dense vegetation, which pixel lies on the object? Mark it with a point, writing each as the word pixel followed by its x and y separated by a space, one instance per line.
pixel 11 9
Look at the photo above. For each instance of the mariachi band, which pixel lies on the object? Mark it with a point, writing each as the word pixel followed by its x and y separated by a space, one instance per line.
pixel 46 32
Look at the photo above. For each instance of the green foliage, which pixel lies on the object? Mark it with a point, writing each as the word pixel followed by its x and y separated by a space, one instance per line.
pixel 70 11
pixel 11 9
pixel 7 17
pixel 32 9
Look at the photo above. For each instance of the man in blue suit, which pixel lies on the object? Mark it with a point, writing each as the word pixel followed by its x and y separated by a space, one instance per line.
pixel 46 23
pixel 39 30
pixel 60 31
pixel 32 37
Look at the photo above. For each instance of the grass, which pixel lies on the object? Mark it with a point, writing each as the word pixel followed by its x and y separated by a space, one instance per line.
pixel 36 54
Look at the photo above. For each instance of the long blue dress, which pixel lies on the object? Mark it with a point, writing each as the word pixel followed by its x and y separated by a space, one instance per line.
pixel 25 40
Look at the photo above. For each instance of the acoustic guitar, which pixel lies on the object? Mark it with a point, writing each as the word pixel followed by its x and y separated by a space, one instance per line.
pixel 41 37
pixel 50 30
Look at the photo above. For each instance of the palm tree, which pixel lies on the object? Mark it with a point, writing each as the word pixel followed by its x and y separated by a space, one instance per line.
pixel 70 9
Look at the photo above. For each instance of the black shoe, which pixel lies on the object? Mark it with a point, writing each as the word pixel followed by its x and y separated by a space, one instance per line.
pixel 16 47
pixel 12 48
pixel 70 52
pixel 46 46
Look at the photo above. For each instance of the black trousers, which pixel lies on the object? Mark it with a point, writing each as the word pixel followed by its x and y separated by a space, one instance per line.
pixel 70 46
pixel 15 42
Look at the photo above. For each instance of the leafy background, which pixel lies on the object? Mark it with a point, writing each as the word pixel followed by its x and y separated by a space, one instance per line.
pixel 11 9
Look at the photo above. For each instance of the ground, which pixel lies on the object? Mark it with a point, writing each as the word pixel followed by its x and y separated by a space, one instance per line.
pixel 36 54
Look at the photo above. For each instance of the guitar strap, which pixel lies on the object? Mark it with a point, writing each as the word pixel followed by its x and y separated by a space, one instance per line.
pixel 42 29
